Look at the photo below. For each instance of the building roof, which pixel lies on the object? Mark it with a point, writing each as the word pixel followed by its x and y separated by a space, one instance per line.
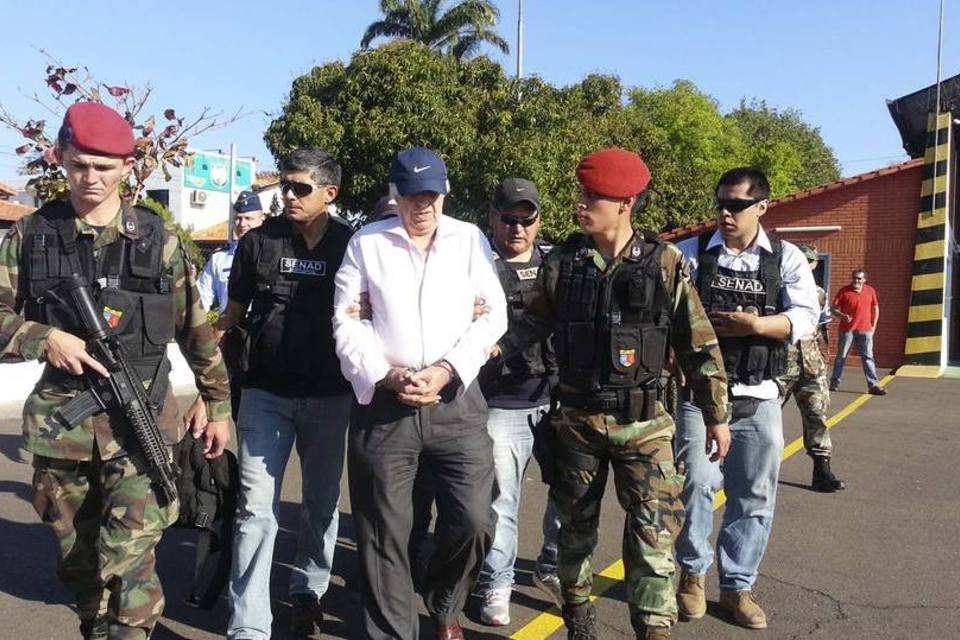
pixel 13 211
pixel 689 230
pixel 217 234
pixel 7 191
pixel 266 179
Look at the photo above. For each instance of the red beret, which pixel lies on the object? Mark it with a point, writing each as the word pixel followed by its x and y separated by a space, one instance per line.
pixel 95 128
pixel 615 173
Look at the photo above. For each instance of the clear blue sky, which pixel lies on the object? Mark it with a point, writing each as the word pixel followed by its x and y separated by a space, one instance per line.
pixel 836 61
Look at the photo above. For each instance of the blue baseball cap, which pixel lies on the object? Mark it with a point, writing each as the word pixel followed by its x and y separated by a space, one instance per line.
pixel 246 202
pixel 417 170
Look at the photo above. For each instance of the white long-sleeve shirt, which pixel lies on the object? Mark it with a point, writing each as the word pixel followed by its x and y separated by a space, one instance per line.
pixel 798 292
pixel 422 305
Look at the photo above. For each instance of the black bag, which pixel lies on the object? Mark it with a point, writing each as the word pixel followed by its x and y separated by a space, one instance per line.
pixel 235 346
pixel 208 502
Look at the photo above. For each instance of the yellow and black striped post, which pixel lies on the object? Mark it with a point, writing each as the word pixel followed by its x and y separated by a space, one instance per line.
pixel 925 344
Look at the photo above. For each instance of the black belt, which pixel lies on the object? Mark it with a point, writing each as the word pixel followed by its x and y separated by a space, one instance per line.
pixel 596 401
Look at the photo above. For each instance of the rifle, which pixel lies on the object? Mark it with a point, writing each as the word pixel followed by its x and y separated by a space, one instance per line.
pixel 122 389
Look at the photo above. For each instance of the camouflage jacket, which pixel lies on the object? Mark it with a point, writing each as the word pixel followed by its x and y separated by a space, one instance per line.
pixel 809 356
pixel 21 340
pixel 692 337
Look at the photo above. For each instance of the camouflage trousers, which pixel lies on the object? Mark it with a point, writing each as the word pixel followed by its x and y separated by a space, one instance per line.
pixel 107 522
pixel 648 488
pixel 806 379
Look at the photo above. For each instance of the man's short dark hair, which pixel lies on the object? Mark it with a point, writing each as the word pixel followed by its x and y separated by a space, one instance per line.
pixel 853 274
pixel 323 168
pixel 759 186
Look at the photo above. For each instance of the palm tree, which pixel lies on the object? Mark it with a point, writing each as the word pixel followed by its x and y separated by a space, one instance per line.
pixel 460 31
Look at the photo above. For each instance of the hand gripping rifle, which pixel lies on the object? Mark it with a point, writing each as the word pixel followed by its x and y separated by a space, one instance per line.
pixel 122 389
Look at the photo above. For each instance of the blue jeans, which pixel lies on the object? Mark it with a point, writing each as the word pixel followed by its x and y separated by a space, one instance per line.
pixel 510 430
pixel 268 427
pixel 749 478
pixel 864 342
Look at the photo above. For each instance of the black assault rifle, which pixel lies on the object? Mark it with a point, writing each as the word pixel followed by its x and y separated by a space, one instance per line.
pixel 122 389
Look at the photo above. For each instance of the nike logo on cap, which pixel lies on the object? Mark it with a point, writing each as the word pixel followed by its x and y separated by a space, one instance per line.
pixel 420 169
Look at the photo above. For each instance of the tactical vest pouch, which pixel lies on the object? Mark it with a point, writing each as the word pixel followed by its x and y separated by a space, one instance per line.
pixel 159 321
pixel 577 349
pixel 639 296
pixel 144 257
pixel 757 358
pixel 654 343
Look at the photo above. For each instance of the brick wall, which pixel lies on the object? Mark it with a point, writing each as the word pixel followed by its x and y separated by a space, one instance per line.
pixel 878 218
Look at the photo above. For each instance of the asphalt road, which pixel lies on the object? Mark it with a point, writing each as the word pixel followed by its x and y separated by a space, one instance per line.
pixel 879 560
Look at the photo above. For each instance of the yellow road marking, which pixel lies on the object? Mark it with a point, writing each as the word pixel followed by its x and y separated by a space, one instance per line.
pixel 545 624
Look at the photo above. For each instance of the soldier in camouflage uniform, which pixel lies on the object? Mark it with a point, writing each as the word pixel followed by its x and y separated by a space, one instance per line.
pixel 617 299
pixel 806 379
pixel 90 481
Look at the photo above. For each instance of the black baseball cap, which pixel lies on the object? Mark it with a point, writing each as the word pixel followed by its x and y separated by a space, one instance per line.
pixel 513 191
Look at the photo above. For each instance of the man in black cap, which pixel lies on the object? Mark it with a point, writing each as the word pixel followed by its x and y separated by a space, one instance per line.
pixel 413 367
pixel 517 389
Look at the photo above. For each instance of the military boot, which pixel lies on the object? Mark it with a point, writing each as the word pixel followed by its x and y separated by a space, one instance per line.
pixel 94 628
pixel 306 619
pixel 645 632
pixel 744 609
pixel 823 478
pixel 691 599
pixel 581 621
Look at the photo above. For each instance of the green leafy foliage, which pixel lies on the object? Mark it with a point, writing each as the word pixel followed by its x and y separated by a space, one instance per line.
pixel 488 126
pixel 790 151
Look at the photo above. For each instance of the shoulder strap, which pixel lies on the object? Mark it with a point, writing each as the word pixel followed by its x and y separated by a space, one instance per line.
pixel 770 263
pixel 706 268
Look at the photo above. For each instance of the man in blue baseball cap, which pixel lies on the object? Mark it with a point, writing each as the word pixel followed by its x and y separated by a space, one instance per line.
pixel 413 368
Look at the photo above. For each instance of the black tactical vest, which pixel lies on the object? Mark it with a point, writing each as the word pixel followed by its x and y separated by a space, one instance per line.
pixel 290 316
pixel 127 277
pixel 612 330
pixel 749 359
pixel 535 361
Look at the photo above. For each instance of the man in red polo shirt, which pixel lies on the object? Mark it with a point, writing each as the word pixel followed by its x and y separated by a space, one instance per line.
pixel 859 310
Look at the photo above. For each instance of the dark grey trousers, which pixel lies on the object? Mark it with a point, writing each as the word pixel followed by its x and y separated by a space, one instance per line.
pixel 388 441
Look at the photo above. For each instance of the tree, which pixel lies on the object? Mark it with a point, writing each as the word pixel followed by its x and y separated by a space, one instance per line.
pixel 791 152
pixel 691 145
pixel 158 146
pixel 460 30
pixel 405 94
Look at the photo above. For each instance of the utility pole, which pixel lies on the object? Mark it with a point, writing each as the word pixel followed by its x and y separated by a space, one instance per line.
pixel 520 39
pixel 233 172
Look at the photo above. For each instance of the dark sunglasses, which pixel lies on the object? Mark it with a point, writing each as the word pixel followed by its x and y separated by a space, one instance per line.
pixel 736 205
pixel 523 222
pixel 300 189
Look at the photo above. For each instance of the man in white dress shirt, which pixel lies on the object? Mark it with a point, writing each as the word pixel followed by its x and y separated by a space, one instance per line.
pixel 759 294
pixel 413 367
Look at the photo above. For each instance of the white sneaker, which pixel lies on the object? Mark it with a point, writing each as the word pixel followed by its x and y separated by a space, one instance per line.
pixel 549 583
pixel 495 611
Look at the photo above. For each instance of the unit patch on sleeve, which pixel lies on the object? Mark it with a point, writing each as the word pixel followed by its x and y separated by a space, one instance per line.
pixel 303 267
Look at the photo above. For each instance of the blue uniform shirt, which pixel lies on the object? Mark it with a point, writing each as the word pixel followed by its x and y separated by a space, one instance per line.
pixel 212 283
